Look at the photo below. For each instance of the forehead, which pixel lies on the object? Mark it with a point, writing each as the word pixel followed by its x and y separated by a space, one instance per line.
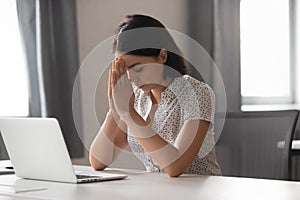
pixel 131 59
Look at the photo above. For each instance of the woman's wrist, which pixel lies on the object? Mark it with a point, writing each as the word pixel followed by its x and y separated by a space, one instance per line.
pixel 113 116
pixel 131 116
pixel 139 127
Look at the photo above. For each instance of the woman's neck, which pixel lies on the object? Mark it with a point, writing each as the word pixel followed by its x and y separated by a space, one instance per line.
pixel 156 94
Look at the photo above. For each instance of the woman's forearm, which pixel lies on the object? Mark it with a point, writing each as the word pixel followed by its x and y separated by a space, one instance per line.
pixel 173 158
pixel 103 150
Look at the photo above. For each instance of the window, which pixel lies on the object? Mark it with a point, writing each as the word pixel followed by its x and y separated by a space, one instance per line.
pixel 13 76
pixel 297 47
pixel 267 67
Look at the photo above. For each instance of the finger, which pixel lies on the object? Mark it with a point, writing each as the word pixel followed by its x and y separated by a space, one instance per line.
pixel 113 65
pixel 122 67
pixel 109 83
pixel 114 79
pixel 117 68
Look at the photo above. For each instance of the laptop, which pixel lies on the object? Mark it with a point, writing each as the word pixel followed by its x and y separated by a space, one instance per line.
pixel 37 150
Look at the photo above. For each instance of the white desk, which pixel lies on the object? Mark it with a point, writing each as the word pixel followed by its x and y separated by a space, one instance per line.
pixel 156 186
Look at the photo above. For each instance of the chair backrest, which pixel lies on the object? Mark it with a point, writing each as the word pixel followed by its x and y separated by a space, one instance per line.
pixel 257 144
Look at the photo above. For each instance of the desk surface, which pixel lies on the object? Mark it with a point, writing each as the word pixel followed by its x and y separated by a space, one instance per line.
pixel 144 185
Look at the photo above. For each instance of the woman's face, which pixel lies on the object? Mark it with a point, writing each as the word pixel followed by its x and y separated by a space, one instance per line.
pixel 144 71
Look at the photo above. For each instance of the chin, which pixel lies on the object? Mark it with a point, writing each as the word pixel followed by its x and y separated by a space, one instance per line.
pixel 142 87
pixel 145 89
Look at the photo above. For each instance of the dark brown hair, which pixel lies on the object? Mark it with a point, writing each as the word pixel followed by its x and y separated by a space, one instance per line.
pixel 164 39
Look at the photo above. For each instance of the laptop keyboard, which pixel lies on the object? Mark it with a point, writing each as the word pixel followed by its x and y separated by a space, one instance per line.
pixel 87 176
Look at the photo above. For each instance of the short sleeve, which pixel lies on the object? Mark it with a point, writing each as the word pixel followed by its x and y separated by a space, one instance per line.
pixel 199 102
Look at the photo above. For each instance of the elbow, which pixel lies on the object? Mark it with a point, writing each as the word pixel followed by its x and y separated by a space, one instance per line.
pixel 173 173
pixel 96 165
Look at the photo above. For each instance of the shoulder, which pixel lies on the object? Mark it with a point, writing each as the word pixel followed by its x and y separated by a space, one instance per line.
pixel 199 99
pixel 191 86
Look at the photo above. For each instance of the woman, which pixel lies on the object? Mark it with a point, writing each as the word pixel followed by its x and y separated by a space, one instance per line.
pixel 165 116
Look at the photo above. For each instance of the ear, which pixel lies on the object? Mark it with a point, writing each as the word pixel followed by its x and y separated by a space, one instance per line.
pixel 163 56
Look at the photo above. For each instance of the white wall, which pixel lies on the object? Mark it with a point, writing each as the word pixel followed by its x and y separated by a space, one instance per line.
pixel 97 20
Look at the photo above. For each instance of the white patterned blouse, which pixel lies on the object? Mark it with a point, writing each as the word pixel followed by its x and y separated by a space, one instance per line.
pixel 185 98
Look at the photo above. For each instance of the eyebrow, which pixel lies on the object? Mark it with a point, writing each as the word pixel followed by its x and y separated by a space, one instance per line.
pixel 130 66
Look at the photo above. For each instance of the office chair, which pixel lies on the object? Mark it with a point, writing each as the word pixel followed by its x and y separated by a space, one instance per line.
pixel 249 145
